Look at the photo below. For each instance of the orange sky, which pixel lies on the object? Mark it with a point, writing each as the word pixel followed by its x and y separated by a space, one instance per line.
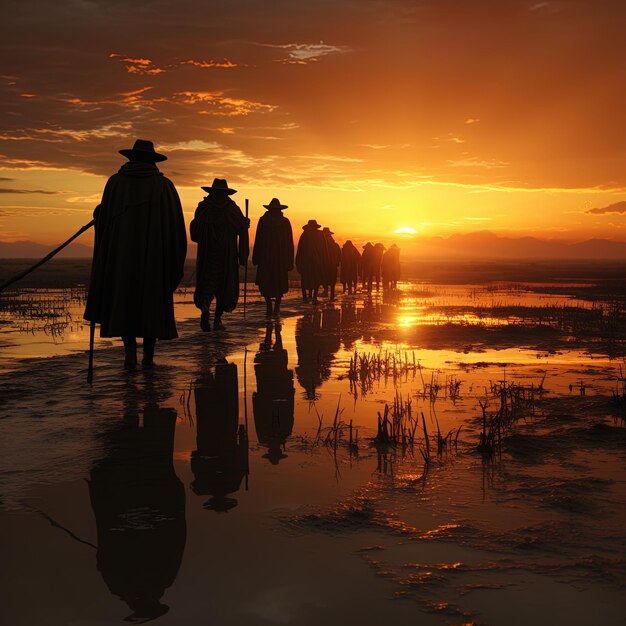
pixel 443 116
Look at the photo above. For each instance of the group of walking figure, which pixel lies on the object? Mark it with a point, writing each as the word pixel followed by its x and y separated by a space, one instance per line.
pixel 141 245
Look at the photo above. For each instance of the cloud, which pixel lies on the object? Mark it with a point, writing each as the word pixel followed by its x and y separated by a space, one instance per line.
pixel 303 53
pixel 475 162
pixel 616 207
pixel 138 65
pixel 20 191
pixel 62 135
pixel 224 63
pixel 221 104
pixel 193 144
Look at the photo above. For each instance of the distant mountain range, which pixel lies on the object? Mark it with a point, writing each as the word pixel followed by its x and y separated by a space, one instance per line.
pixel 477 245
pixel 33 250
pixel 488 245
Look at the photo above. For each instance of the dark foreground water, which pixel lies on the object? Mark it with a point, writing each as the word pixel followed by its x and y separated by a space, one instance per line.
pixel 224 485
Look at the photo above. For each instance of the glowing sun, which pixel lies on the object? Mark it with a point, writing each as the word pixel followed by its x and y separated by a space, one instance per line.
pixel 405 230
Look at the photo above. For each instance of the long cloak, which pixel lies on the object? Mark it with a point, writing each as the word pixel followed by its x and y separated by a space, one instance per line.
pixel 332 260
pixel 350 262
pixel 367 262
pixel 139 255
pixel 273 254
pixel 391 265
pixel 310 257
pixel 221 231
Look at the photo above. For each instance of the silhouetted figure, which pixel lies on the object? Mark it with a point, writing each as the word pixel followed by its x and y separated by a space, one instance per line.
pixel 221 232
pixel 220 462
pixel 310 260
pixel 273 254
pixel 350 266
pixel 332 258
pixel 273 401
pixel 139 506
pixel 317 341
pixel 377 261
pixel 139 255
pixel 391 267
pixel 367 266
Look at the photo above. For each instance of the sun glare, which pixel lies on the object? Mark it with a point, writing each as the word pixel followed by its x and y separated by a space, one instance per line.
pixel 405 230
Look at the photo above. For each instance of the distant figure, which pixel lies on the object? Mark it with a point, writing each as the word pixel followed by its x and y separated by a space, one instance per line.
pixel 221 232
pixel 377 261
pixel 273 401
pixel 332 258
pixel 367 266
pixel 220 462
pixel 273 254
pixel 350 266
pixel 139 255
pixel 139 506
pixel 391 267
pixel 310 260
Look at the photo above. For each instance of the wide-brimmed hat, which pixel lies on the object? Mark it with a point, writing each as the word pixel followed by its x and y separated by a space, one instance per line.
pixel 327 230
pixel 143 149
pixel 275 204
pixel 220 184
pixel 313 224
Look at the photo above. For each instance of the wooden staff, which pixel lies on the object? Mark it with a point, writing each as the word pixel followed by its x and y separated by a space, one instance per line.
pixel 245 271
pixel 92 334
pixel 46 258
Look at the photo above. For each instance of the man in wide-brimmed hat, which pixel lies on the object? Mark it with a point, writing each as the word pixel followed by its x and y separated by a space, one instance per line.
pixel 332 258
pixel 139 254
pixel 310 260
pixel 273 254
pixel 221 232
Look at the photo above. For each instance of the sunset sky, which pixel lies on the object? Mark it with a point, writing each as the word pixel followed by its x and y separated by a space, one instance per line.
pixel 441 116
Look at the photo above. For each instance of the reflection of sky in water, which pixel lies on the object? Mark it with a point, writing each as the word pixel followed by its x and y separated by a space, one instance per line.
pixel 291 522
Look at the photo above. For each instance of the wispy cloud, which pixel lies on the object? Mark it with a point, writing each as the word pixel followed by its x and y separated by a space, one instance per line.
pixel 220 104
pixel 21 191
pixel 303 53
pixel 137 65
pixel 224 63
pixel 616 207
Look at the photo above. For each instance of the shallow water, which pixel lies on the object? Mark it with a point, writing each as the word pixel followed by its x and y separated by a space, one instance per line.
pixel 264 516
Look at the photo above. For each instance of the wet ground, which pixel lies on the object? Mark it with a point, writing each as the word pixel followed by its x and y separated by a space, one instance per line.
pixel 239 482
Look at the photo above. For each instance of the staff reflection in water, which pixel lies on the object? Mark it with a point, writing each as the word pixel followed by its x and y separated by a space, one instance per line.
pixel 272 402
pixel 317 341
pixel 220 462
pixel 139 506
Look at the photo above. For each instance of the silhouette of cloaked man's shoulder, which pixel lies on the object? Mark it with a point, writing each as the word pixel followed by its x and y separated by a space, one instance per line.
pixel 139 506
pixel 220 462
pixel 273 401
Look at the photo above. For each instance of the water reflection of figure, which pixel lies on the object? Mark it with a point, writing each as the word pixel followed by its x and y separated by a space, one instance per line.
pixel 221 460
pixel 273 401
pixel 139 506
pixel 350 331
pixel 317 340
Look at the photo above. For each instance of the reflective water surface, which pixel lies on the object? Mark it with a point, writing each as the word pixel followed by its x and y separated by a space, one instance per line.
pixel 245 481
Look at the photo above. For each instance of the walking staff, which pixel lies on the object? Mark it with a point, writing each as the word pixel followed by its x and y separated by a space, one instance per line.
pixel 56 251
pixel 245 272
